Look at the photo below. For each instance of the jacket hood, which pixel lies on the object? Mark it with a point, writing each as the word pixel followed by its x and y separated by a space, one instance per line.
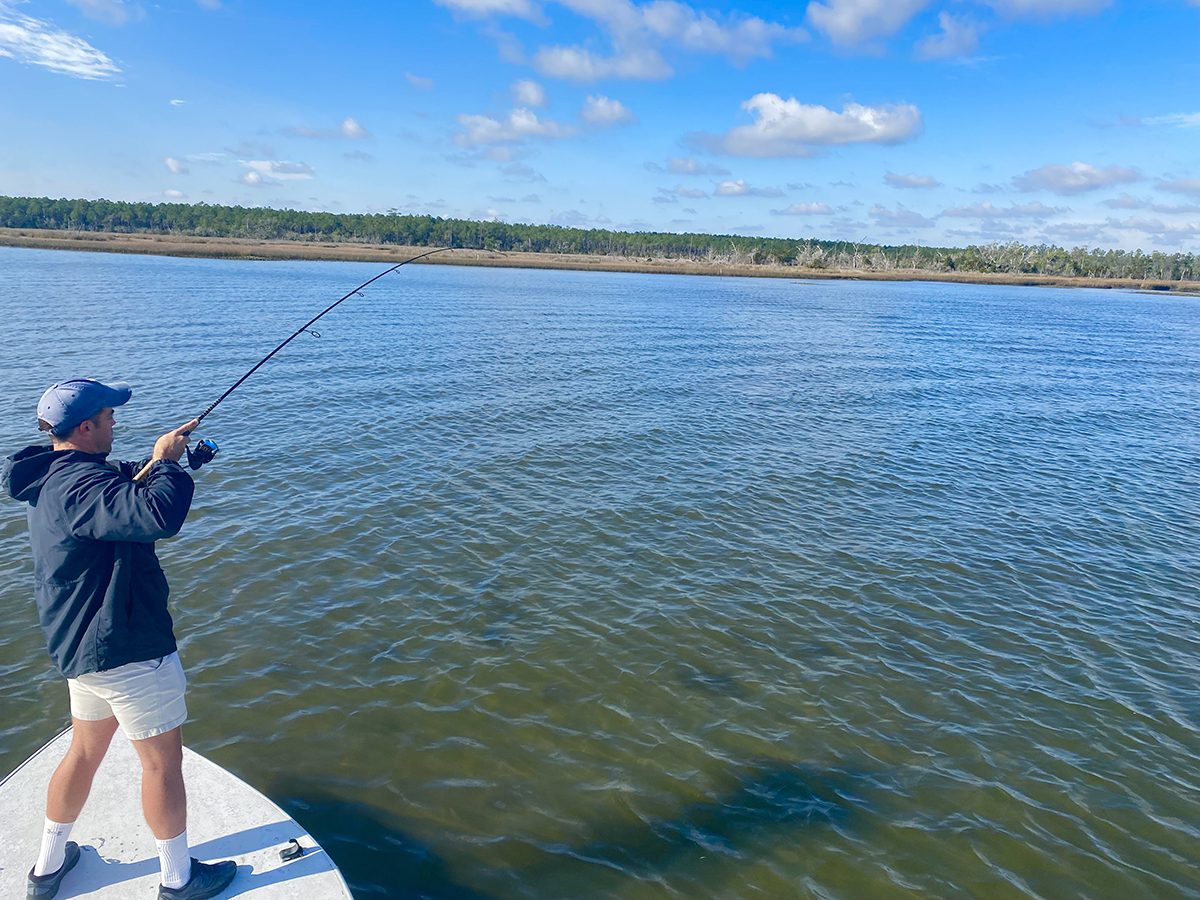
pixel 25 471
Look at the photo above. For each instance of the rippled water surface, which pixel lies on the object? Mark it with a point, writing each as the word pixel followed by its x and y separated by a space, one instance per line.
pixel 549 584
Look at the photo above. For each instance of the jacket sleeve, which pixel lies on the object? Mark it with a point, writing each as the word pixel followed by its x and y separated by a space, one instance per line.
pixel 129 469
pixel 105 505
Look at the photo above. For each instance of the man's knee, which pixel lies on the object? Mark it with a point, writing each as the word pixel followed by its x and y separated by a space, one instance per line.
pixel 161 755
pixel 90 740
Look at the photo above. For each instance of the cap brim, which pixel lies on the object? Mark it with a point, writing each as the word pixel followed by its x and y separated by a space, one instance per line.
pixel 118 394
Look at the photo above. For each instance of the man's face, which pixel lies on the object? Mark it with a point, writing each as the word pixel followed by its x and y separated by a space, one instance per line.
pixel 99 431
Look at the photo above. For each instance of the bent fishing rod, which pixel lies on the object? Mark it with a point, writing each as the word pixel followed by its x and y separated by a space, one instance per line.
pixel 207 449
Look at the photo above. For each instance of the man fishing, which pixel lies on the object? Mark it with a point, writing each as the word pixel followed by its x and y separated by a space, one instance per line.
pixel 102 603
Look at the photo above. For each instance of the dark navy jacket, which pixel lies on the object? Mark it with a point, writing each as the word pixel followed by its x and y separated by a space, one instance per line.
pixel 101 594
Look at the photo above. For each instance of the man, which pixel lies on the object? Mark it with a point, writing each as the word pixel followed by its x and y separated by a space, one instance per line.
pixel 102 603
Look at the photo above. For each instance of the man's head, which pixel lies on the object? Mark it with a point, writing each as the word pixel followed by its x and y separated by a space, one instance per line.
pixel 79 412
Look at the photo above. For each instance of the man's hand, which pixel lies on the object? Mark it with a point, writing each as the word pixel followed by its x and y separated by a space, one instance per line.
pixel 172 444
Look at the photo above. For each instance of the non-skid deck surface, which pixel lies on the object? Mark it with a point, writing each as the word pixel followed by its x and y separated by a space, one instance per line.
pixel 227 819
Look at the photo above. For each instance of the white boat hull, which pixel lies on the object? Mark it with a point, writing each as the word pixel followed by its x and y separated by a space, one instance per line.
pixel 227 819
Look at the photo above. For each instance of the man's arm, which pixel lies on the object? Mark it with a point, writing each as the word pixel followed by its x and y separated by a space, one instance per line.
pixel 109 506
pixel 106 505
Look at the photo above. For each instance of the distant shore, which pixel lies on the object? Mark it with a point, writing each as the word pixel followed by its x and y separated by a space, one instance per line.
pixel 242 248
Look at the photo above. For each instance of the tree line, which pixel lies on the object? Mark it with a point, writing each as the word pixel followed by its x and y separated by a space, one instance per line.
pixel 262 223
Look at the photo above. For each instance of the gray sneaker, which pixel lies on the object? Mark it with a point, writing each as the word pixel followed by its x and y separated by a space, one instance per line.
pixel 44 887
pixel 208 880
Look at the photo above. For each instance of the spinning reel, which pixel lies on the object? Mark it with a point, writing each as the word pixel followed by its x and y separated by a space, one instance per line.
pixel 202 453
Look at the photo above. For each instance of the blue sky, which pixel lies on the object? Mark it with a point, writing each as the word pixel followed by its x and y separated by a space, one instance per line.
pixel 945 122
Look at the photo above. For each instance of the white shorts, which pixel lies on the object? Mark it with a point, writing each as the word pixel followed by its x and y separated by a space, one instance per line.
pixel 146 697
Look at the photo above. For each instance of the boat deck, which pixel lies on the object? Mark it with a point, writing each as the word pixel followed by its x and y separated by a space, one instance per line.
pixel 227 819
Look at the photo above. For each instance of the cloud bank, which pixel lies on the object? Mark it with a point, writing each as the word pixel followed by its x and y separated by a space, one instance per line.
pixel 39 43
pixel 1076 178
pixel 791 128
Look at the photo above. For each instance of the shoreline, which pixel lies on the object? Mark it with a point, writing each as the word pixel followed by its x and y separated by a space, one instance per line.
pixel 245 248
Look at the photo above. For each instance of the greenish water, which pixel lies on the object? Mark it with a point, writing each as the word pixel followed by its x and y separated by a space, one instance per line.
pixel 549 584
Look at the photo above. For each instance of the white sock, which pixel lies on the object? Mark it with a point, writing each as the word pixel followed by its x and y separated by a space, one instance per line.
pixel 175 860
pixel 54 847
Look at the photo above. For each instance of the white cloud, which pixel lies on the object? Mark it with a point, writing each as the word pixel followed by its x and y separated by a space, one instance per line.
pixel 805 209
pixel 599 110
pixel 353 130
pixel 790 128
pixel 1190 186
pixel 173 194
pixel 39 43
pixel 672 195
pixel 111 12
pixel 910 182
pixel 420 82
pixel 854 22
pixel 682 165
pixel 850 22
pixel 521 8
pixel 1158 228
pixel 740 37
pixel 251 178
pixel 522 172
pixel 244 150
pixel 175 165
pixel 959 37
pixel 275 170
pixel 178 102
pixel 987 211
pixel 213 157
pixel 1178 120
pixel 580 64
pixel 738 188
pixel 636 32
pixel 900 217
pixel 520 125
pixel 349 129
pixel 1076 178
pixel 528 93
pixel 1127 201
pixel 1046 8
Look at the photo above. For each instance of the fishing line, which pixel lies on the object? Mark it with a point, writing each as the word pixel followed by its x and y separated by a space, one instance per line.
pixel 207 449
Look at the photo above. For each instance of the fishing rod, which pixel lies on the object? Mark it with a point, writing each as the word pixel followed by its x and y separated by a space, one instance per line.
pixel 207 449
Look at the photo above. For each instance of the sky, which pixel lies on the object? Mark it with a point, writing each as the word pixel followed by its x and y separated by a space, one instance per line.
pixel 931 122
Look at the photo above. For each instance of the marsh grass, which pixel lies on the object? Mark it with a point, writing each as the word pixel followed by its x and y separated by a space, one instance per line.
pixel 243 248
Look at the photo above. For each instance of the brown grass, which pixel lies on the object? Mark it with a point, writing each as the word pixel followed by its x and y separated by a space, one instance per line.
pixel 239 248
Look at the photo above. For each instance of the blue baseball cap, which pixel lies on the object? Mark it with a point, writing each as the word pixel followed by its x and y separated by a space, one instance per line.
pixel 66 404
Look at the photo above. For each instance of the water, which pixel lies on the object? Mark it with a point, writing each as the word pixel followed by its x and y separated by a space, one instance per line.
pixel 548 584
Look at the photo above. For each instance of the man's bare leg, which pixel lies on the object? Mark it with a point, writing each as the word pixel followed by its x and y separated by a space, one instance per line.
pixel 69 788
pixel 164 803
pixel 72 780
pixel 164 800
